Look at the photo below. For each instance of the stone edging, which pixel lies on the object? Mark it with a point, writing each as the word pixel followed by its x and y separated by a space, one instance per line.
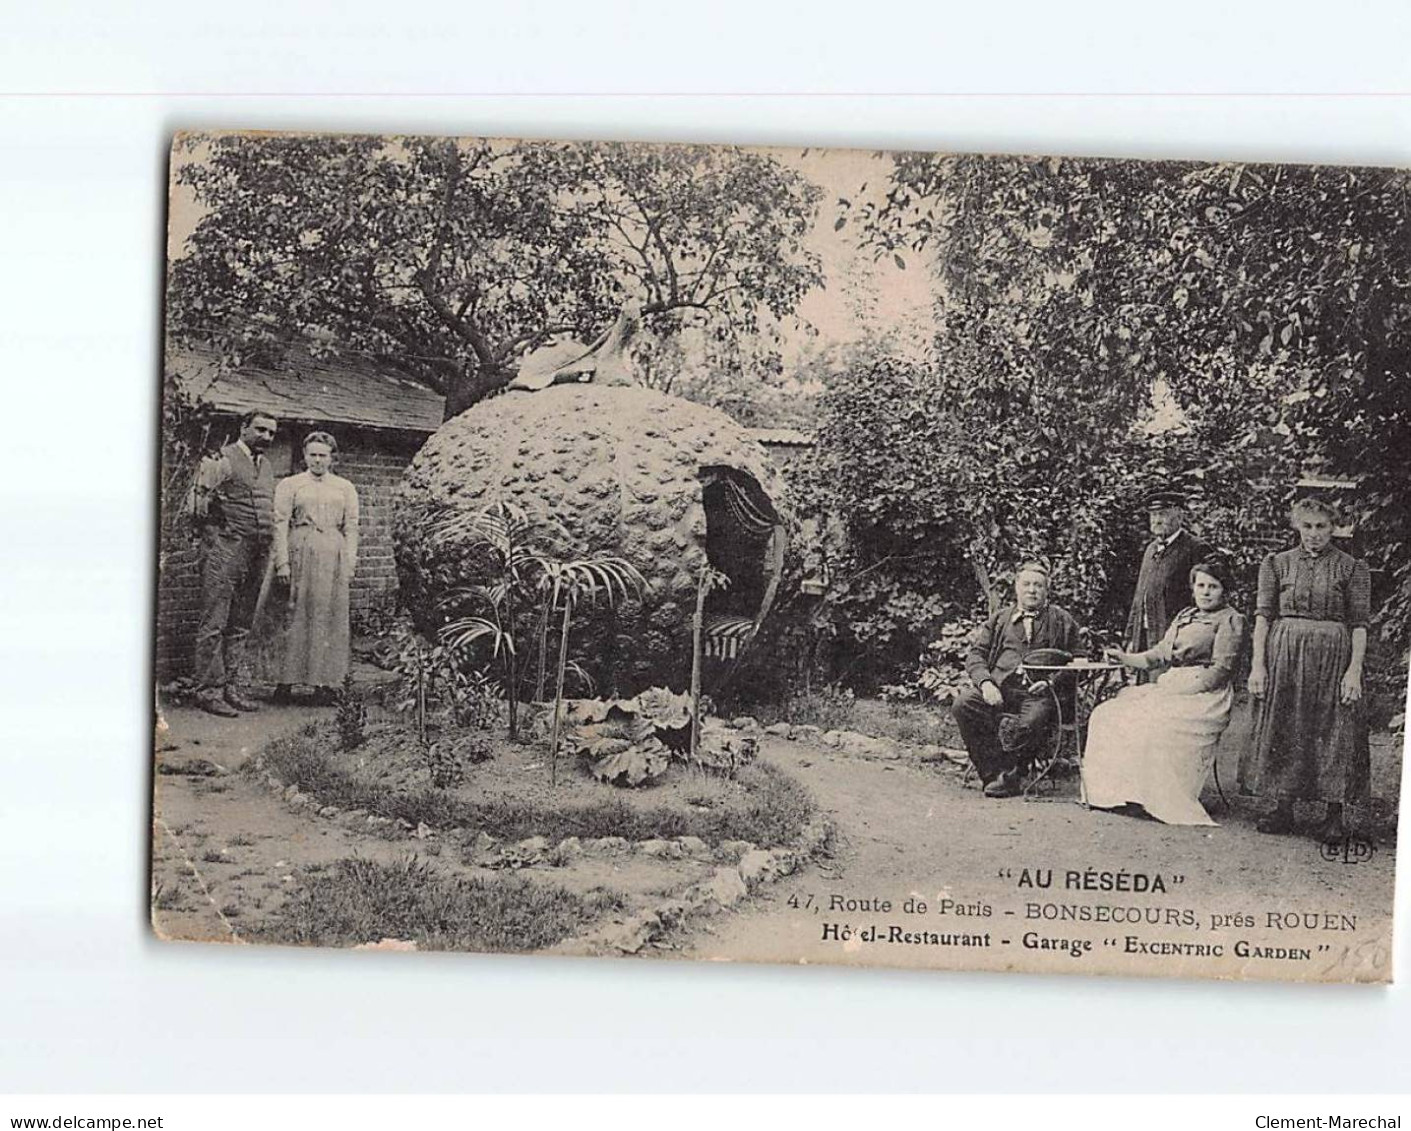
pixel 730 884
pixel 756 867
pixel 743 867
pixel 855 743
pixel 486 851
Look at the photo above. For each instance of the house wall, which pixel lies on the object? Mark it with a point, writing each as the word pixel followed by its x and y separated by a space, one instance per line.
pixel 373 460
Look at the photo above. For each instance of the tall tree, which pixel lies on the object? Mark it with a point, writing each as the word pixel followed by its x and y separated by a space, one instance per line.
pixel 454 257
pixel 1300 277
pixel 1040 357
pixel 1263 310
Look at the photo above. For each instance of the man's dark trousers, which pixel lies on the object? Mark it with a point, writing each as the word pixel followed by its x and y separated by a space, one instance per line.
pixel 232 570
pixel 1033 713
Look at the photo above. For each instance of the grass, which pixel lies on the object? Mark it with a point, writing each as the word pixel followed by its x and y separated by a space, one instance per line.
pixel 775 813
pixel 167 898
pixel 906 722
pixel 358 901
pixel 710 792
pixel 827 709
pixel 830 709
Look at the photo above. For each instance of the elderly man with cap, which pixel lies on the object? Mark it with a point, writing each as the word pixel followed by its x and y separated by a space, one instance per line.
pixel 1163 585
pixel 1002 719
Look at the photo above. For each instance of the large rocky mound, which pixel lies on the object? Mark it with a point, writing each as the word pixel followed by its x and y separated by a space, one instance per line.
pixel 622 469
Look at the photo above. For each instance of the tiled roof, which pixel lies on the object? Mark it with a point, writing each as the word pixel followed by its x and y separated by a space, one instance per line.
pixel 781 437
pixel 310 389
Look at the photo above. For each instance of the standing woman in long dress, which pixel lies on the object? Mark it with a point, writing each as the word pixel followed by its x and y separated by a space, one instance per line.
pixel 1310 637
pixel 315 553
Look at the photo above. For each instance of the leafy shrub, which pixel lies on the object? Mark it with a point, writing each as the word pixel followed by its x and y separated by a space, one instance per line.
pixel 448 759
pixel 725 752
pixel 622 739
pixel 474 698
pixel 940 673
pixel 450 681
pixel 830 708
pixel 666 710
pixel 634 741
pixel 352 716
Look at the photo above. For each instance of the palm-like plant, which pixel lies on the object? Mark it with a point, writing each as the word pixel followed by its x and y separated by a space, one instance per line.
pixel 508 536
pixel 565 584
pixel 464 631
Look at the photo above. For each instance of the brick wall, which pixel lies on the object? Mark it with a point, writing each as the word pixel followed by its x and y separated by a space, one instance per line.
pixel 373 461
pixel 375 468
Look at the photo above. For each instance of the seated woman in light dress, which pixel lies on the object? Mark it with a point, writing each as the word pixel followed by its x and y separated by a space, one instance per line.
pixel 315 553
pixel 1153 744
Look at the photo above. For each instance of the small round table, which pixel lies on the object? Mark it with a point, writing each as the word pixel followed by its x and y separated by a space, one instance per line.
pixel 1092 679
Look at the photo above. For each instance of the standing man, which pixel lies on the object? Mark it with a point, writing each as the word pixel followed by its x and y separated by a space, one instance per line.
pixel 1002 719
pixel 1163 585
pixel 232 508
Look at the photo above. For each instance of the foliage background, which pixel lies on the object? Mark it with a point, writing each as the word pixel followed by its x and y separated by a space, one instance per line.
pixel 1103 328
pixel 453 257
pixel 1075 333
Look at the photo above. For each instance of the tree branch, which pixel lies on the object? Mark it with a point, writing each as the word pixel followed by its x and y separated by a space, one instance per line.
pixel 654 231
pixel 462 329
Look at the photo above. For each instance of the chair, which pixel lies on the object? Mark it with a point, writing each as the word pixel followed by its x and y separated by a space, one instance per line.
pixel 1062 754
pixel 1215 770
pixel 1065 749
pixel 1065 736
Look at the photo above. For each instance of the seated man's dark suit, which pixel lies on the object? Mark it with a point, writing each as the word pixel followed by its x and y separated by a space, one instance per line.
pixel 999 648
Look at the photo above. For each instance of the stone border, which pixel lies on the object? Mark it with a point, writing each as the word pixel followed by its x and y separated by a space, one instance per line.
pixel 486 851
pixel 855 743
pixel 743 867
pixel 755 867
pixel 727 887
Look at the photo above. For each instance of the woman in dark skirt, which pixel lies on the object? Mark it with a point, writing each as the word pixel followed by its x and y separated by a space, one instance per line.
pixel 1310 637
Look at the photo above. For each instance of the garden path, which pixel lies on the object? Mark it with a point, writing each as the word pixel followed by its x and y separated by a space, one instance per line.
pixel 224 850
pixel 910 830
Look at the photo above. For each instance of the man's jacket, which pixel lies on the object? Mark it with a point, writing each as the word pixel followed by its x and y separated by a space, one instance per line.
pixel 1054 627
pixel 1163 588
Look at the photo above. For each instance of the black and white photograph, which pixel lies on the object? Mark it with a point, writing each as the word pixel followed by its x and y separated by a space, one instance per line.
pixel 782 555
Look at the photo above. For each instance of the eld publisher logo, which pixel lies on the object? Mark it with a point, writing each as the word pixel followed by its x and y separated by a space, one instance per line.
pixel 1350 850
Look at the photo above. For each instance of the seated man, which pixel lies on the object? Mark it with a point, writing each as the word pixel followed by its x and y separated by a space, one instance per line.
pixel 1001 753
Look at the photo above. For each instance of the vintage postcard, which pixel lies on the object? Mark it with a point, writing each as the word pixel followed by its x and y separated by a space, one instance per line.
pixel 802 556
